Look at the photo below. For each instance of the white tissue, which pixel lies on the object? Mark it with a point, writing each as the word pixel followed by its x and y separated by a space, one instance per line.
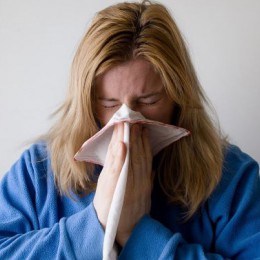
pixel 94 150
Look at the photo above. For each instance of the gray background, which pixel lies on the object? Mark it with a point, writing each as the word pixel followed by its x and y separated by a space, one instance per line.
pixel 38 40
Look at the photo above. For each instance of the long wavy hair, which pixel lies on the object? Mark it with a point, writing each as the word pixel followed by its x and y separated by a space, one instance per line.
pixel 189 169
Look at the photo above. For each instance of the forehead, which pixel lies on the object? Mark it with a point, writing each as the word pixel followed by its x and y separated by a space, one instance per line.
pixel 137 76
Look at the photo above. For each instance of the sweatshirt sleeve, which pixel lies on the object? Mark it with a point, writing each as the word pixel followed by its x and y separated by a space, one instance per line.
pixel 151 240
pixel 29 224
pixel 233 209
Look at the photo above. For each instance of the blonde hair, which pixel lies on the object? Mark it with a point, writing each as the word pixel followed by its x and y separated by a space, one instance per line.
pixel 188 170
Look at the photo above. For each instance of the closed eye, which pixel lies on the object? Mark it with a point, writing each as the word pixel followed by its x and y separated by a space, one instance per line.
pixel 148 103
pixel 110 107
pixel 108 103
pixel 150 99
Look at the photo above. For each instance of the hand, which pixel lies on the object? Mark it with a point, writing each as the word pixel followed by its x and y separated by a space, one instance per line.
pixel 109 175
pixel 137 200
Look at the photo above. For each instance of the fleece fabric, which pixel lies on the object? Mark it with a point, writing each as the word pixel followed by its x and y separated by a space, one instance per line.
pixel 36 222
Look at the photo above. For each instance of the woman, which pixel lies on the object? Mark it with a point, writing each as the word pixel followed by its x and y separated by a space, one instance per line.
pixel 197 199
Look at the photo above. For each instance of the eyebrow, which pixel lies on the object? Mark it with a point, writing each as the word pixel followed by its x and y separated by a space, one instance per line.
pixel 107 99
pixel 141 97
pixel 151 94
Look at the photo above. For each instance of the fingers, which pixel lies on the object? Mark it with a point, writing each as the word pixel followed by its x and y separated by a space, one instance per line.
pixel 140 156
pixel 140 144
pixel 116 151
pixel 118 134
pixel 137 199
pixel 147 149
pixel 146 143
pixel 136 145
pixel 109 175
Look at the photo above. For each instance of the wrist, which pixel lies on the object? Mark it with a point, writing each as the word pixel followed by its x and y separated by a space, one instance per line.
pixel 121 239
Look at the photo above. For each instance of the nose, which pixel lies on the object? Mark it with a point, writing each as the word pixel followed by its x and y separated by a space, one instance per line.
pixel 131 105
pixel 134 106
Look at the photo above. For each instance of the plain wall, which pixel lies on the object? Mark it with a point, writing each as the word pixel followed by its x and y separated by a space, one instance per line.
pixel 38 40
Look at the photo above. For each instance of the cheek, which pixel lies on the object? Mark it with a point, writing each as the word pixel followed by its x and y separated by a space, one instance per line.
pixel 166 112
pixel 161 113
pixel 166 117
pixel 161 116
pixel 103 115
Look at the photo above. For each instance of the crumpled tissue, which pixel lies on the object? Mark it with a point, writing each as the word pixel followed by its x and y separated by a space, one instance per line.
pixel 94 150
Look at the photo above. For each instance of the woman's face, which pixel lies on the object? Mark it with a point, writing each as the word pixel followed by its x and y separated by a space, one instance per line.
pixel 136 84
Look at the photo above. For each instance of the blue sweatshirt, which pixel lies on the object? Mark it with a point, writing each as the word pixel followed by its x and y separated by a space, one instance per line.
pixel 37 223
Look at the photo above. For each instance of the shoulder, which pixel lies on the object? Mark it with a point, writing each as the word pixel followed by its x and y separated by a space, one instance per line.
pixel 35 158
pixel 235 159
pixel 234 207
pixel 238 165
pixel 33 164
pixel 240 180
pixel 36 153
